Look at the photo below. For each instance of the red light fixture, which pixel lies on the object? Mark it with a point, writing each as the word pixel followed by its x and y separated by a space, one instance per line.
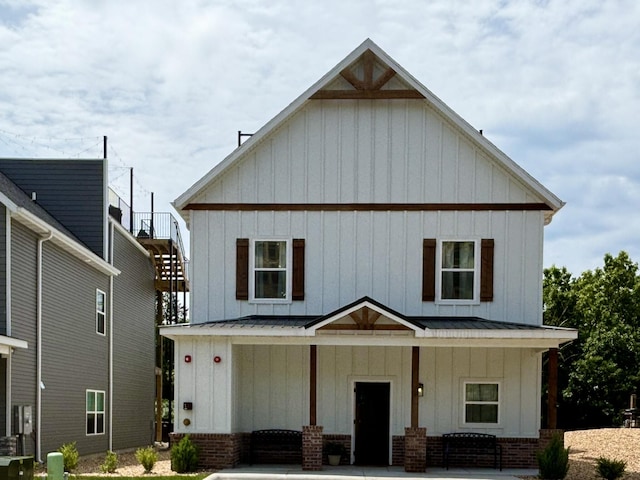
pixel 217 359
pixel 187 359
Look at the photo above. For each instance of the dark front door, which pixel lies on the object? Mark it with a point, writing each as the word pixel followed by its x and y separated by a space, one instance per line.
pixel 372 423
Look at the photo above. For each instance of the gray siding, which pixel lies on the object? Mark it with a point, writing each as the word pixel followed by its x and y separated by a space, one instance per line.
pixel 134 346
pixel 74 357
pixel 23 317
pixel 70 190
pixel 3 270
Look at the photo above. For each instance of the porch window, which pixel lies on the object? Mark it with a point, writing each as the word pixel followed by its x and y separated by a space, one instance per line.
pixel 481 402
pixel 100 312
pixel 271 273
pixel 95 412
pixel 458 270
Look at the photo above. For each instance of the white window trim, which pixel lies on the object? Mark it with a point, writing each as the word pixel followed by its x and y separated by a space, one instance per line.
pixel 288 270
pixel 104 312
pixel 463 412
pixel 476 270
pixel 96 412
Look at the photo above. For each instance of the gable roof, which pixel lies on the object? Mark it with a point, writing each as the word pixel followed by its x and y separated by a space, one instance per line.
pixel 392 81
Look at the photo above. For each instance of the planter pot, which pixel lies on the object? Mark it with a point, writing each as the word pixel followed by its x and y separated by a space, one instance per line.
pixel 334 459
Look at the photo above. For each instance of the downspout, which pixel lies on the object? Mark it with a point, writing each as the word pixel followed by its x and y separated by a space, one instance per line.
pixel 41 241
pixel 111 239
pixel 8 321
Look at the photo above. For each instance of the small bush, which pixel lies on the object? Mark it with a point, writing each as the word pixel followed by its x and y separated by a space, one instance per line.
pixel 147 457
pixel 610 469
pixel 553 461
pixel 184 456
pixel 110 463
pixel 70 456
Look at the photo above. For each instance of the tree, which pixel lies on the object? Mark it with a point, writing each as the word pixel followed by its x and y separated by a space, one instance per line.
pixel 599 371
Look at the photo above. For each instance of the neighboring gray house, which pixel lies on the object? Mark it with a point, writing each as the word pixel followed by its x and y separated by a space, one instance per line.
pixel 77 313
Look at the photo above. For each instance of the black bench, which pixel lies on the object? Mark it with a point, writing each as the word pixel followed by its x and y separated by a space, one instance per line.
pixel 275 446
pixel 471 443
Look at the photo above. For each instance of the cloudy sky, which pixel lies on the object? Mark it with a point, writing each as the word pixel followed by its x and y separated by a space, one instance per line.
pixel 555 84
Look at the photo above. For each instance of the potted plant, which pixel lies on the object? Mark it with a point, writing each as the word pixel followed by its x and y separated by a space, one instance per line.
pixel 334 451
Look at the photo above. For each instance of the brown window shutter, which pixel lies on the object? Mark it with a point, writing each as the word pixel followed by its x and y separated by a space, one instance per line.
pixel 297 281
pixel 242 269
pixel 429 270
pixel 486 270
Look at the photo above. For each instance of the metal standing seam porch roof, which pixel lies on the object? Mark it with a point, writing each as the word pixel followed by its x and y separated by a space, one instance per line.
pixel 423 326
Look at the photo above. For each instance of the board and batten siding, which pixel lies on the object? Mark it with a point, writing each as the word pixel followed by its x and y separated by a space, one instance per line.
pixel 74 357
pixel 270 385
pixel 377 254
pixel 23 318
pixel 382 151
pixel 134 345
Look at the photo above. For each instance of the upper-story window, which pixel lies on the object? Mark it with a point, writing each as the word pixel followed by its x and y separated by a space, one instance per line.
pixel 271 272
pixel 101 309
pixel 458 270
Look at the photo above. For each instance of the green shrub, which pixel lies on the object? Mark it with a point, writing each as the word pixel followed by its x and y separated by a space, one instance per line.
pixel 553 461
pixel 70 456
pixel 184 456
pixel 610 469
pixel 110 463
pixel 147 457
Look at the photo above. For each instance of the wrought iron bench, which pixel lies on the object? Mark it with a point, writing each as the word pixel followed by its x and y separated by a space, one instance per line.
pixel 275 446
pixel 471 443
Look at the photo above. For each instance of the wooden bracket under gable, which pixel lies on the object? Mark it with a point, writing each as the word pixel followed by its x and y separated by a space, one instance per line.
pixel 366 86
pixel 364 319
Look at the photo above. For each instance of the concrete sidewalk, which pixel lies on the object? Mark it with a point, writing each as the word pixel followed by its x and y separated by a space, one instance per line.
pixel 290 472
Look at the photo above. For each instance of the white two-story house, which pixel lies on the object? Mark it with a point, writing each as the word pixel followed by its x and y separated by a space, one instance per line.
pixel 367 268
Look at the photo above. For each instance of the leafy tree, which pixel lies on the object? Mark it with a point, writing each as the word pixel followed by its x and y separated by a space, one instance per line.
pixel 599 371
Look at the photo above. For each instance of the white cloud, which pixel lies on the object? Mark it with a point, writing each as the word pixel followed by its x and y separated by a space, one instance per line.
pixel 553 84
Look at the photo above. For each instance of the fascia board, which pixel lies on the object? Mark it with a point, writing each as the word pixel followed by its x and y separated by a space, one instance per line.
pixel 79 251
pixel 6 201
pixel 13 342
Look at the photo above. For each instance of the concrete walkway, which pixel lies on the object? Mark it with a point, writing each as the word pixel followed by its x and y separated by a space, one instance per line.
pixel 290 472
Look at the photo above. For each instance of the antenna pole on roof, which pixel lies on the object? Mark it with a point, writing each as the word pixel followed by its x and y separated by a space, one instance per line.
pixel 131 200
pixel 104 147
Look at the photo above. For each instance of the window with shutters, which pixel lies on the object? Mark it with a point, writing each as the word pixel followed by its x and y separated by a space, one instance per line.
pixel 270 270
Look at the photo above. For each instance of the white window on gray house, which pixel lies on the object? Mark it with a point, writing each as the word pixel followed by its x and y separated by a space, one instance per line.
pixel 271 274
pixel 458 270
pixel 481 402
pixel 101 316
pixel 95 412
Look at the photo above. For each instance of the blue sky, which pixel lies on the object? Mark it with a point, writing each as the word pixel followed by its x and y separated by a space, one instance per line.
pixel 554 84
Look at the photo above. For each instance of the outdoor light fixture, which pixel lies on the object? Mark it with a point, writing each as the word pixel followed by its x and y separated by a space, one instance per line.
pixel 187 359
pixel 217 359
pixel 420 391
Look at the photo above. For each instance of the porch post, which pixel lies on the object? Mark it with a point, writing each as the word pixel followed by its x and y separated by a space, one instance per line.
pixel 415 379
pixel 312 433
pixel 415 438
pixel 313 370
pixel 552 395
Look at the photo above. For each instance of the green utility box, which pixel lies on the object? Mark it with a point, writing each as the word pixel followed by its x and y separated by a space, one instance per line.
pixel 16 468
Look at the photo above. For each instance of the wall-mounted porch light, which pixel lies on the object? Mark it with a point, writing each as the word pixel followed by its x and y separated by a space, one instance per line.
pixel 420 391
